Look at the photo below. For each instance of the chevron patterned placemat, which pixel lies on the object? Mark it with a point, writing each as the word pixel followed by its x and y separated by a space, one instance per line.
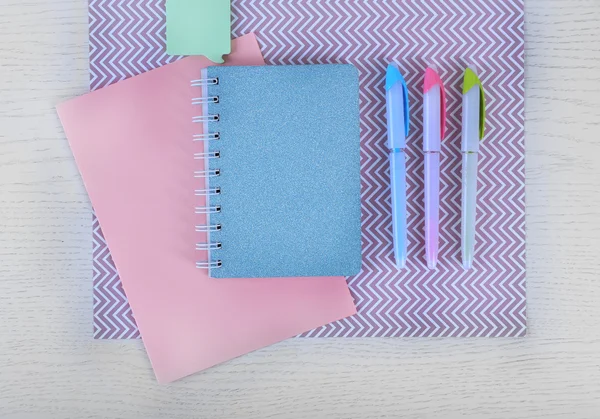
pixel 128 38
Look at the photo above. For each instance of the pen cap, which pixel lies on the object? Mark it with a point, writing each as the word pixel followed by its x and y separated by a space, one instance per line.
pixel 434 111
pixel 473 117
pixel 432 132
pixel 397 108
pixel 470 121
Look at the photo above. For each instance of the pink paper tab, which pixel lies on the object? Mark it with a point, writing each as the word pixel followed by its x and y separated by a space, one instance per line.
pixel 133 145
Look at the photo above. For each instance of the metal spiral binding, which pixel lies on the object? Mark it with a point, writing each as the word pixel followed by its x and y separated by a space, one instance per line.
pixel 205 82
pixel 209 191
pixel 203 100
pixel 208 210
pixel 208 246
pixel 207 155
pixel 208 228
pixel 207 173
pixel 201 119
pixel 205 137
pixel 209 265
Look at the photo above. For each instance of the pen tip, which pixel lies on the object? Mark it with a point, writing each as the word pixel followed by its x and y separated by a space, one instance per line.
pixel 431 264
pixel 473 67
pixel 469 72
pixel 392 71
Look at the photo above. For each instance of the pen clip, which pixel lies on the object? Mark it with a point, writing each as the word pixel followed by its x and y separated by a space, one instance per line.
pixel 481 111
pixel 442 110
pixel 406 107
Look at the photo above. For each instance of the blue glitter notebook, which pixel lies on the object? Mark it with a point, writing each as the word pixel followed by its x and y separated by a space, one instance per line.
pixel 283 171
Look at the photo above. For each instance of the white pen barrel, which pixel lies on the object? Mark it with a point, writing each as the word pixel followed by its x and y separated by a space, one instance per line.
pixel 469 207
pixel 432 207
pixel 398 189
pixel 470 157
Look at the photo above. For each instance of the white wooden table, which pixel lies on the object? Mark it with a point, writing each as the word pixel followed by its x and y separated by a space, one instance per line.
pixel 51 368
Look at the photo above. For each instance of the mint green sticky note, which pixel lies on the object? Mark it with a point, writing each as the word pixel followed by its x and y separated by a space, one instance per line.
pixel 199 27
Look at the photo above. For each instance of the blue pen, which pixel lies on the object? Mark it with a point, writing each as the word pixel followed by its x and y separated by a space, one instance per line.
pixel 398 122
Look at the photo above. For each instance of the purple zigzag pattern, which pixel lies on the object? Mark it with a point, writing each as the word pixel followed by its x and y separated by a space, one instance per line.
pixel 113 318
pixel 486 301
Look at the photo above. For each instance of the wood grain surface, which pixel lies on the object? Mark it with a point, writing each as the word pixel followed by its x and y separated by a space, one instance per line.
pixel 51 368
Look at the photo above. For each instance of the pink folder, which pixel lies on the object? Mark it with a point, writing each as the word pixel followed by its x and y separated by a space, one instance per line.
pixel 132 142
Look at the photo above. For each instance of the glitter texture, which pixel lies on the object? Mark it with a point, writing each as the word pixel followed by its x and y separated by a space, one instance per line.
pixel 290 171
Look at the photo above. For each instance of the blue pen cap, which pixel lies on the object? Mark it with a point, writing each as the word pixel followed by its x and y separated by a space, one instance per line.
pixel 398 119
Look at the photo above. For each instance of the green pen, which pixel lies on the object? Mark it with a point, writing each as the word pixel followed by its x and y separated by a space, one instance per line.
pixel 473 127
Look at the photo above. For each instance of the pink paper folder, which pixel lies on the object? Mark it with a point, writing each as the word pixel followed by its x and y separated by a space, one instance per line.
pixel 132 142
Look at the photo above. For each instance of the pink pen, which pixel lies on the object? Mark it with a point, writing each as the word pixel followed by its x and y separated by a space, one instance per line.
pixel 434 128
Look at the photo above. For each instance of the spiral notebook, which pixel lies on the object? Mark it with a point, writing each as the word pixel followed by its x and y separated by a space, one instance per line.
pixel 132 142
pixel 283 151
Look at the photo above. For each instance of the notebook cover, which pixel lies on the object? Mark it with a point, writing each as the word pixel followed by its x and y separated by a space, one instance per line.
pixel 289 162
pixel 486 301
pixel 132 143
